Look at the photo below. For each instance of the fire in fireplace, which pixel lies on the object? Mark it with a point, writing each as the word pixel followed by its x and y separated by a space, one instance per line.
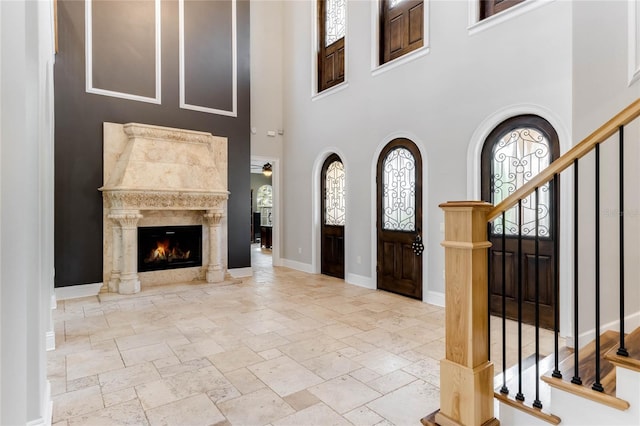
pixel 169 247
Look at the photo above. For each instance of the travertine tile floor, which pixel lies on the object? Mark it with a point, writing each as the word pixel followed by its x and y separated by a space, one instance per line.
pixel 280 348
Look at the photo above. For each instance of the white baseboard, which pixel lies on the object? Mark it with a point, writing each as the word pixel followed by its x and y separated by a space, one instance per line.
pixel 77 291
pixel 435 298
pixel 47 409
pixel 51 340
pixel 241 272
pixel 360 281
pixel 631 322
pixel 298 266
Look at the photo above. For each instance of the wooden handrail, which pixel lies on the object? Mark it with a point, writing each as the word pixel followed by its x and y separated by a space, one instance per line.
pixel 624 117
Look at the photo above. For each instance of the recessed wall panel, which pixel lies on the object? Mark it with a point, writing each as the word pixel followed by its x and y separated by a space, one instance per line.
pixel 122 55
pixel 208 55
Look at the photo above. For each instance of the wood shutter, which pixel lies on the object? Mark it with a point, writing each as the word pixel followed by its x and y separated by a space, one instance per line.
pixel 491 7
pixel 401 28
pixel 331 57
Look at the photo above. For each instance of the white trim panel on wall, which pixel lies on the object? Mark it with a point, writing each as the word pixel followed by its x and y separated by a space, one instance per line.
pixel 634 42
pixel 234 65
pixel 89 59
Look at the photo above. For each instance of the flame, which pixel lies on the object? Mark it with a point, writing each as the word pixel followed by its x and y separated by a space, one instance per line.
pixel 162 252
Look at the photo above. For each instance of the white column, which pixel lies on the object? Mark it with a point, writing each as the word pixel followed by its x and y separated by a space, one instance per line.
pixel 126 250
pixel 116 256
pixel 215 272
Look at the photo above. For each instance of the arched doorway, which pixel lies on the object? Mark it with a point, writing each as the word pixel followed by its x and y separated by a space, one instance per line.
pixel 333 214
pixel 399 218
pixel 513 153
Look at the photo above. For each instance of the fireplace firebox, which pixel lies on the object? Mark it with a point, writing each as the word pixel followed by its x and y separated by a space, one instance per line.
pixel 169 247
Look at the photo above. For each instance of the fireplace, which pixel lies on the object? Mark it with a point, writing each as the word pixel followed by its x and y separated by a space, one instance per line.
pixel 169 247
pixel 163 177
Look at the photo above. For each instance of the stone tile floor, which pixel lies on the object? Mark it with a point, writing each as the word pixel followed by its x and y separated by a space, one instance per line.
pixel 280 348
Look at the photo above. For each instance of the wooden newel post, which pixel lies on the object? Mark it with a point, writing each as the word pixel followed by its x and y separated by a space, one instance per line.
pixel 466 375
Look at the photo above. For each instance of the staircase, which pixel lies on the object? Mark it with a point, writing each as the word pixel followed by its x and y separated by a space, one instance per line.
pixel 597 383
pixel 568 403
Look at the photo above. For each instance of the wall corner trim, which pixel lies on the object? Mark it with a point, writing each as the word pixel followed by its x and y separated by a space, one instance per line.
pixel 435 298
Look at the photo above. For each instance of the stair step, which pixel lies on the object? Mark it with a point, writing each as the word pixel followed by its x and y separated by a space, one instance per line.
pixel 529 379
pixel 632 344
pixel 608 340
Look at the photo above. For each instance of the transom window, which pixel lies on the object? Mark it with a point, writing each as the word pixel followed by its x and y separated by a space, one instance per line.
pixel 399 190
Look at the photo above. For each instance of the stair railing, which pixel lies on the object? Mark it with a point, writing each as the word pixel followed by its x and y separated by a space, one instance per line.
pixel 466 375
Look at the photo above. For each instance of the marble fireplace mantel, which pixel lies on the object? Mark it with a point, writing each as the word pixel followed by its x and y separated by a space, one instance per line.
pixel 161 174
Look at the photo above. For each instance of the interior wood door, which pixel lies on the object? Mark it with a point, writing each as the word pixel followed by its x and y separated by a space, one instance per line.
pixel 333 211
pixel 515 152
pixel 399 212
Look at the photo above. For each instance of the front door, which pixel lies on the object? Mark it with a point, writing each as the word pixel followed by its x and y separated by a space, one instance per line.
pixel 333 217
pixel 399 212
pixel 515 152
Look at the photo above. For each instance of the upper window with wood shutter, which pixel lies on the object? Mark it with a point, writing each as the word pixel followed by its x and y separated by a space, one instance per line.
pixel 401 28
pixel 332 20
pixel 491 7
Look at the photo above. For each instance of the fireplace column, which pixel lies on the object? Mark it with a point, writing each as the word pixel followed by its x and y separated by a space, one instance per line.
pixel 124 275
pixel 213 218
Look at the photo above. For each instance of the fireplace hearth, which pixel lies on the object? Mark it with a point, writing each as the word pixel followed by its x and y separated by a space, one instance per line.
pixel 169 247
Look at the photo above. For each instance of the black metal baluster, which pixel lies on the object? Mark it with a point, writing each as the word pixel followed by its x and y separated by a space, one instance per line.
pixel 504 389
pixel 576 373
pixel 490 274
pixel 622 351
pixel 556 278
pixel 519 395
pixel 537 403
pixel 597 386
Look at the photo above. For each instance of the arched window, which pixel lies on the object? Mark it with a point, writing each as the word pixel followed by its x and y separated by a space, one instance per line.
pixel 332 181
pixel 513 154
pixel 334 193
pixel 399 218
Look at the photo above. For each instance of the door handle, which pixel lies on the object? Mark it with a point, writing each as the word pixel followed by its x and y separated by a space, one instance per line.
pixel 417 245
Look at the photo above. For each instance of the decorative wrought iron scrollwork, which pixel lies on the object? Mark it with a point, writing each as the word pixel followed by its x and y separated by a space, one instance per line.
pixel 334 202
pixel 518 157
pixel 399 191
pixel 335 20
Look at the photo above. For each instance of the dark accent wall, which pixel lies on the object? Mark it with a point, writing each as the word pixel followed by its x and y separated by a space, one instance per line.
pixel 79 118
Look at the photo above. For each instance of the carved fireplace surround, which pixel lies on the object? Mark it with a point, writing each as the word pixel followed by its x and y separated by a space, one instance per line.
pixel 161 176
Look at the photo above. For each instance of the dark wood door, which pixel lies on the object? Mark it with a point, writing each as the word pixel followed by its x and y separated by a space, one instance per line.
pixel 399 212
pixel 514 152
pixel 333 211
